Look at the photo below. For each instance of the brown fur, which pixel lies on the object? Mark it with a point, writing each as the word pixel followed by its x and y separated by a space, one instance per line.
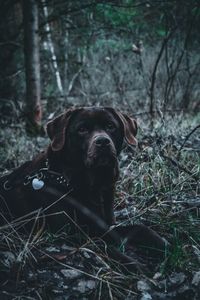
pixel 85 143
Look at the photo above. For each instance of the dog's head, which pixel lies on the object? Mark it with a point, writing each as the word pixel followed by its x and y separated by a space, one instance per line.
pixel 91 136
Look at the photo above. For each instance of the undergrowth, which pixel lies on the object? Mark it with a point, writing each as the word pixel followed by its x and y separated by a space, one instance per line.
pixel 163 183
pixel 158 186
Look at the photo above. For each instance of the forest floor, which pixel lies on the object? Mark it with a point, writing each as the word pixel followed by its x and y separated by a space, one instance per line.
pixel 159 186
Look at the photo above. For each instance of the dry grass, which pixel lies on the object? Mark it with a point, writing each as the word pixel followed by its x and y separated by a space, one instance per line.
pixel 159 186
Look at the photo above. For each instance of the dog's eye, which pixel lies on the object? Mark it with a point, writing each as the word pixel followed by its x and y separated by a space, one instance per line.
pixel 110 126
pixel 82 130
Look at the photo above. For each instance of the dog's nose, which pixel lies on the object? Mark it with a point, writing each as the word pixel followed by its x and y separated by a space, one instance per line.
pixel 102 141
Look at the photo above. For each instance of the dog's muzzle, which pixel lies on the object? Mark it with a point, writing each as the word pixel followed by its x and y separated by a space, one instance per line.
pixel 101 151
pixel 102 142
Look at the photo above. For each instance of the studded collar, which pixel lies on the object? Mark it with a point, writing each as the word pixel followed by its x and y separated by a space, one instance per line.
pixel 38 179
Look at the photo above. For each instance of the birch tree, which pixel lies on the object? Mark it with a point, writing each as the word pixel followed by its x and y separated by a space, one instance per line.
pixel 51 48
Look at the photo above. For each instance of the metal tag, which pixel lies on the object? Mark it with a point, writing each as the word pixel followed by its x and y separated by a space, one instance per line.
pixel 37 184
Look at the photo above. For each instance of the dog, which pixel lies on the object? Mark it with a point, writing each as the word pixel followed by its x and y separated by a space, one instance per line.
pixel 75 177
pixel 85 144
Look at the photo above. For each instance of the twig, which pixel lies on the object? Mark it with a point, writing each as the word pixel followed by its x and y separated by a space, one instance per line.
pixel 181 167
pixel 179 59
pixel 154 73
pixel 186 138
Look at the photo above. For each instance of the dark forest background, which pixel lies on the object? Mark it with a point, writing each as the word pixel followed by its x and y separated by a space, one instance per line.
pixel 142 56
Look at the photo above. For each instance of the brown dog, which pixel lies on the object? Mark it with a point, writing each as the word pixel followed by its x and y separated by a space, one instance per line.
pixel 74 179
pixel 81 161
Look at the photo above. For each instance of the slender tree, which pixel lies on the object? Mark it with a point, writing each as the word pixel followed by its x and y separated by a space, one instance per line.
pixel 32 65
pixel 50 45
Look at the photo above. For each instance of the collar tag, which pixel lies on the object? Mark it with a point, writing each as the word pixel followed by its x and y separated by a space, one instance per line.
pixel 37 184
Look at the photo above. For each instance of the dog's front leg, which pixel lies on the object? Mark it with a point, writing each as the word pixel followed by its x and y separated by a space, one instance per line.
pixel 108 203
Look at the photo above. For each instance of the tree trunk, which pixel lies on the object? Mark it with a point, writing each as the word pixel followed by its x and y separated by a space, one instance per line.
pixel 10 23
pixel 32 66
pixel 51 48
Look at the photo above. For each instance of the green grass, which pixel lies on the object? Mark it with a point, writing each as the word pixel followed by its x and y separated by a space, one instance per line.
pixel 157 186
pixel 161 185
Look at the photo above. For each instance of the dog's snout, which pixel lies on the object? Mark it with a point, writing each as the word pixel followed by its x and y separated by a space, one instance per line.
pixel 102 141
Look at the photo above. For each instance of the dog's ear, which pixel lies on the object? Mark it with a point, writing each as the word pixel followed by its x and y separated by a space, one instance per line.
pixel 130 129
pixel 56 129
pixel 129 125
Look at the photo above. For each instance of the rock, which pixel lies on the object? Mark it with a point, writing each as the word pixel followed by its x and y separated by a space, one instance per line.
pixel 157 276
pixel 46 276
pixel 177 278
pixel 31 277
pixel 7 258
pixel 70 273
pixel 196 279
pixel 68 248
pixel 85 286
pixel 53 249
pixel 143 286
pixel 86 254
pixel 146 296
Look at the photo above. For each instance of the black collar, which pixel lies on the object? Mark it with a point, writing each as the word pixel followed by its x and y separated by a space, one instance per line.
pixel 36 180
